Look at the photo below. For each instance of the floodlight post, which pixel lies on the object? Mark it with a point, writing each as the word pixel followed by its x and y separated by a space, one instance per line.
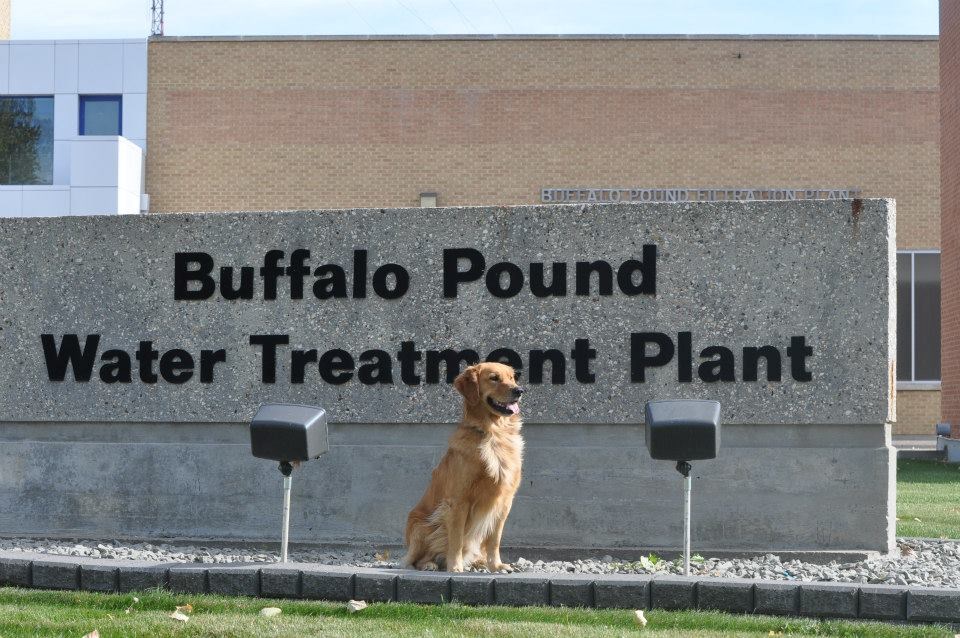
pixel 286 469
pixel 683 431
pixel 684 468
pixel 290 434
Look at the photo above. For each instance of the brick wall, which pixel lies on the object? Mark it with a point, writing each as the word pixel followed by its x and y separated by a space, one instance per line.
pixel 293 124
pixel 917 412
pixel 341 123
pixel 4 19
pixel 950 210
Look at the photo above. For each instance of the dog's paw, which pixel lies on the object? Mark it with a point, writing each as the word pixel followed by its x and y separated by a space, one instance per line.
pixel 456 568
pixel 430 566
pixel 501 568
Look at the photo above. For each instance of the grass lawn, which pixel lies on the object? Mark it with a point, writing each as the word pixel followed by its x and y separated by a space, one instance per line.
pixel 45 613
pixel 928 491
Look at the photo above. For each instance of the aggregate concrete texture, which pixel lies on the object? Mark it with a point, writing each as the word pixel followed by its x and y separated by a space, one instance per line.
pixel 733 274
pixel 171 460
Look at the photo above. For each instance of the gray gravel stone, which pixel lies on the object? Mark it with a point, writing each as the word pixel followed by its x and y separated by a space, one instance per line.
pixel 430 589
pixel 519 591
pixel 99 578
pixel 279 582
pixel 379 588
pixel 828 601
pixel 239 581
pixel 928 563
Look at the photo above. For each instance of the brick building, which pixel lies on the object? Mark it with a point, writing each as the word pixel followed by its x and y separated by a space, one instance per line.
pixel 950 208
pixel 327 122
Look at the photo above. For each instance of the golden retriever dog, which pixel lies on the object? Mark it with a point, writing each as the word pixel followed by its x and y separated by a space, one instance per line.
pixel 459 520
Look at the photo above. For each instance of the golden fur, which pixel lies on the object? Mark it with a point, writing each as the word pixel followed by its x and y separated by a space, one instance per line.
pixel 459 520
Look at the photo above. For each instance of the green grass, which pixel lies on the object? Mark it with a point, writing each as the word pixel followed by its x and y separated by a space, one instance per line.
pixel 928 499
pixel 45 613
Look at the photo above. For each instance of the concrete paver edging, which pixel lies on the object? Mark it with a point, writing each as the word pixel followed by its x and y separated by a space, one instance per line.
pixel 624 591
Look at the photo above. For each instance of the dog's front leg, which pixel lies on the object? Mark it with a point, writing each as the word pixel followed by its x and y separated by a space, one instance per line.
pixel 491 545
pixel 456 522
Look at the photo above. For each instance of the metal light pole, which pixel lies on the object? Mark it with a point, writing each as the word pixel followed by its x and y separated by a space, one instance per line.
pixel 287 470
pixel 288 433
pixel 684 468
pixel 683 431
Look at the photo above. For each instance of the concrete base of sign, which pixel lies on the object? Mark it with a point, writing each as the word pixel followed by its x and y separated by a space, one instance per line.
pixel 776 488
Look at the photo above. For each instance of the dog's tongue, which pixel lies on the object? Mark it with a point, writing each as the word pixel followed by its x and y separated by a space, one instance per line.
pixel 513 407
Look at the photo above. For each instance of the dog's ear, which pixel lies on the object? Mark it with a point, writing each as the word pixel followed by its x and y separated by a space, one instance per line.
pixel 467 383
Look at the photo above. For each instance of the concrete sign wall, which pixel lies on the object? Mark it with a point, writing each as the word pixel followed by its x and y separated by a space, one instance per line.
pixel 134 350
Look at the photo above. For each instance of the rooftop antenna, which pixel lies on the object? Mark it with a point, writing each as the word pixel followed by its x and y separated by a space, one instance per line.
pixel 156 17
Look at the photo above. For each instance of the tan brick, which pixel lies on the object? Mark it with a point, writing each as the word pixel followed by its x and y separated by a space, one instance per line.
pixel 295 124
pixel 917 412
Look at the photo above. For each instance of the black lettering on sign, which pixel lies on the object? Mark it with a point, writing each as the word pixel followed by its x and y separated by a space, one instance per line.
pixel 183 275
pixel 268 354
pixel 69 353
pixel 336 366
pixel 640 360
pixel 453 276
pixel 376 367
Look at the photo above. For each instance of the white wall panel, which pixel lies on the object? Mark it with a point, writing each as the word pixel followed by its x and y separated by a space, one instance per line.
pixel 45 201
pixel 66 116
pixel 4 66
pixel 129 165
pixel 31 69
pixel 61 161
pixel 135 67
pixel 66 64
pixel 94 161
pixel 135 115
pixel 100 68
pixel 11 201
pixel 93 201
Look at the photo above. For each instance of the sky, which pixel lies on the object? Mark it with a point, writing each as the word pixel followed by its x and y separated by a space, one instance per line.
pixel 44 19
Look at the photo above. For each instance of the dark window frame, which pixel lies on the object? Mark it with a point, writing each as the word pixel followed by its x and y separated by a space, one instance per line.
pixel 913 381
pixel 112 97
pixel 38 96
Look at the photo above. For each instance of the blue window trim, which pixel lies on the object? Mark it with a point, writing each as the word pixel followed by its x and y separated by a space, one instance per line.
pixel 84 99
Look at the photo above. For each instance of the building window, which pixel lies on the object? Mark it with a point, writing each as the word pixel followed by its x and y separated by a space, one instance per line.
pixel 26 140
pixel 918 315
pixel 101 115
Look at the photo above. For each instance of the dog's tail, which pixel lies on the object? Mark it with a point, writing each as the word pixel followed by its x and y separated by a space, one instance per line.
pixel 414 538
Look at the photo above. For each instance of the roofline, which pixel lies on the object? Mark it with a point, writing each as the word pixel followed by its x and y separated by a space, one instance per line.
pixel 557 36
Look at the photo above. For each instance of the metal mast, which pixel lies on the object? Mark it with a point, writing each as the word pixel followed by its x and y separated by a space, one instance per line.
pixel 156 17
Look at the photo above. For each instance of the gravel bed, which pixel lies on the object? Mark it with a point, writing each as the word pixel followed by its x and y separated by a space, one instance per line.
pixel 923 562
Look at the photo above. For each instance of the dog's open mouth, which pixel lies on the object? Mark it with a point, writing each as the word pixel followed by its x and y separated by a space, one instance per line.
pixel 504 408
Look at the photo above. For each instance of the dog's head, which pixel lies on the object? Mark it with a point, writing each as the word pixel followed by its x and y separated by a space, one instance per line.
pixel 491 387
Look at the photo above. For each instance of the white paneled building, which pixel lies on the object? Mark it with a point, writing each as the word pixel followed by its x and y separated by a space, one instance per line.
pixel 72 127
